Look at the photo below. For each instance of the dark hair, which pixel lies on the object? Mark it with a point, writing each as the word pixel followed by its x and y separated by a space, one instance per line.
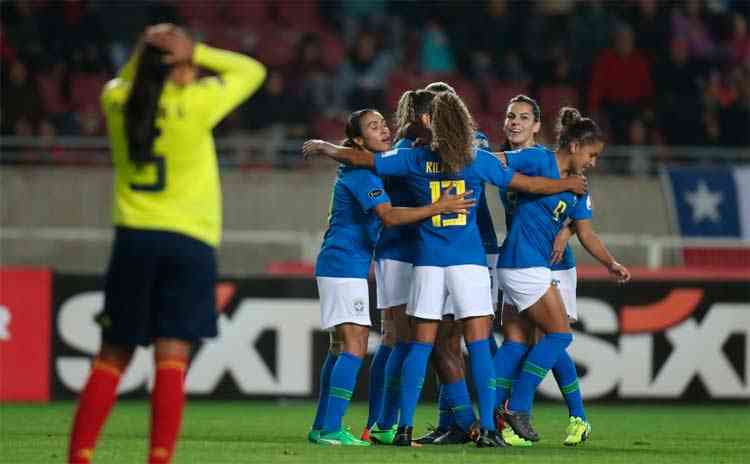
pixel 452 132
pixel 529 101
pixel 440 87
pixel 142 105
pixel 354 127
pixel 411 105
pixel 572 127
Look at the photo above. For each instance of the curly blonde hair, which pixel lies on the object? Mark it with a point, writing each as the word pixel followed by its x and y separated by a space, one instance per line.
pixel 452 132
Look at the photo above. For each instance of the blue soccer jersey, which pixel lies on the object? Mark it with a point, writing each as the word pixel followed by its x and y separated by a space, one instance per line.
pixel 444 239
pixel 484 218
pixel 537 219
pixel 509 199
pixel 397 243
pixel 353 228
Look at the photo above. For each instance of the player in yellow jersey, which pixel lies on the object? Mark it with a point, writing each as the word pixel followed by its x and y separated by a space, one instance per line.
pixel 167 217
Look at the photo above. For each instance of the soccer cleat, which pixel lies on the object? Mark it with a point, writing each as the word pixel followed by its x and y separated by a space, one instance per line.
pixel 342 437
pixel 489 439
pixel 499 420
pixel 365 434
pixel 313 436
pixel 431 436
pixel 511 439
pixel 383 437
pixel 521 424
pixel 454 436
pixel 403 437
pixel 577 432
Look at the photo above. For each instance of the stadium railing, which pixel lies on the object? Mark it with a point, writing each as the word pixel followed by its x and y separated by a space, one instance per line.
pixel 256 151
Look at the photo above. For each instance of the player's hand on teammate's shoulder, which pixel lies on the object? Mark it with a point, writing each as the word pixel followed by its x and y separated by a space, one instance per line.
pixel 619 272
pixel 578 184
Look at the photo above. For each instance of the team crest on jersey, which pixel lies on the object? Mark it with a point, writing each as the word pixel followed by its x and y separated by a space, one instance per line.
pixel 375 193
pixel 359 306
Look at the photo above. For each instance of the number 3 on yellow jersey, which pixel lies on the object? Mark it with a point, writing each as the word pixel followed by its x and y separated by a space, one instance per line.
pixel 437 188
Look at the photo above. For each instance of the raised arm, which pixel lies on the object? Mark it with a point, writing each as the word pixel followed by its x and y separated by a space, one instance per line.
pixel 596 248
pixel 349 156
pixel 546 186
pixel 395 216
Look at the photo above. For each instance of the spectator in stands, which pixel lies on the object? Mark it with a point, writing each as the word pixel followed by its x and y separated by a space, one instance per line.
pixel 21 105
pixel 738 45
pixel 435 53
pixel 278 108
pixel 652 26
pixel 309 76
pixel 689 24
pixel 591 25
pixel 679 98
pixel 620 82
pixel 734 120
pixel 361 78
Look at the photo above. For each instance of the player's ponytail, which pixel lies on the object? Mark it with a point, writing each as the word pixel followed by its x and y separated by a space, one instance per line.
pixel 452 132
pixel 412 105
pixel 572 127
pixel 142 105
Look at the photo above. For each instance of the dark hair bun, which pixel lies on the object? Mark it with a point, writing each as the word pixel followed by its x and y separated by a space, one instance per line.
pixel 569 116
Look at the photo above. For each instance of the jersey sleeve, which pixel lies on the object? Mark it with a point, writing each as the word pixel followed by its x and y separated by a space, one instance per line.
pixel 395 162
pixel 526 160
pixel 367 188
pixel 491 170
pixel 117 89
pixel 238 77
pixel 583 209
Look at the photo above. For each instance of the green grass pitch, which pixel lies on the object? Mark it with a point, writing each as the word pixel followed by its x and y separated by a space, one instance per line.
pixel 263 432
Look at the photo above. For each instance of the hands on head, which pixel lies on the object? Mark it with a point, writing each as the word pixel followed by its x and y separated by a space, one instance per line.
pixel 172 40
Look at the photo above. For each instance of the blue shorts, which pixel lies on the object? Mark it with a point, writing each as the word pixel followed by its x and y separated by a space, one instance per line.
pixel 159 285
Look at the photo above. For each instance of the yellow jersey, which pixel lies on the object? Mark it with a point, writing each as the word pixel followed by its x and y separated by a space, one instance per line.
pixel 179 189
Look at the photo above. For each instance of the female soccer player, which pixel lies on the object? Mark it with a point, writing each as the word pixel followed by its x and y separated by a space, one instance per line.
pixel 524 263
pixel 449 254
pixel 360 207
pixel 167 216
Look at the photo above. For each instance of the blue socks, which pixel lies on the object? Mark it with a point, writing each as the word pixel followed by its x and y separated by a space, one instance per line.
pixel 377 383
pixel 493 344
pixel 325 381
pixel 458 403
pixel 483 374
pixel 445 414
pixel 567 379
pixel 392 395
pixel 507 361
pixel 343 380
pixel 540 359
pixel 412 379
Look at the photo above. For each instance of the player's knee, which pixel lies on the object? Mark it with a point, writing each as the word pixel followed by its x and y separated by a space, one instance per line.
pixel 117 356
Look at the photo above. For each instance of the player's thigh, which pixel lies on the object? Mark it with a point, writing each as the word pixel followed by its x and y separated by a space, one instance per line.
pixel 343 300
pixel 428 293
pixel 514 326
pixel 393 281
pixel 469 287
pixel 129 288
pixel 549 313
pixel 185 301
pixel 567 282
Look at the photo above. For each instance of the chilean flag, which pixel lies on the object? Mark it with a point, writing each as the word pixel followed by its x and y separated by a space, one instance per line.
pixel 711 202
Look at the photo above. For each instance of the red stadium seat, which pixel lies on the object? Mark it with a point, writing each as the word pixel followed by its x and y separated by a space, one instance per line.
pixel 276 46
pixel 331 129
pixel 85 89
pixel 301 15
pixel 554 97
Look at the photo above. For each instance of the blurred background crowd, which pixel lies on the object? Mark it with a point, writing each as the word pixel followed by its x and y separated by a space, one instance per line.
pixel 651 72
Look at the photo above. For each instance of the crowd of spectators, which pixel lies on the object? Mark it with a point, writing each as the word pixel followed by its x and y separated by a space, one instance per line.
pixel 651 72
